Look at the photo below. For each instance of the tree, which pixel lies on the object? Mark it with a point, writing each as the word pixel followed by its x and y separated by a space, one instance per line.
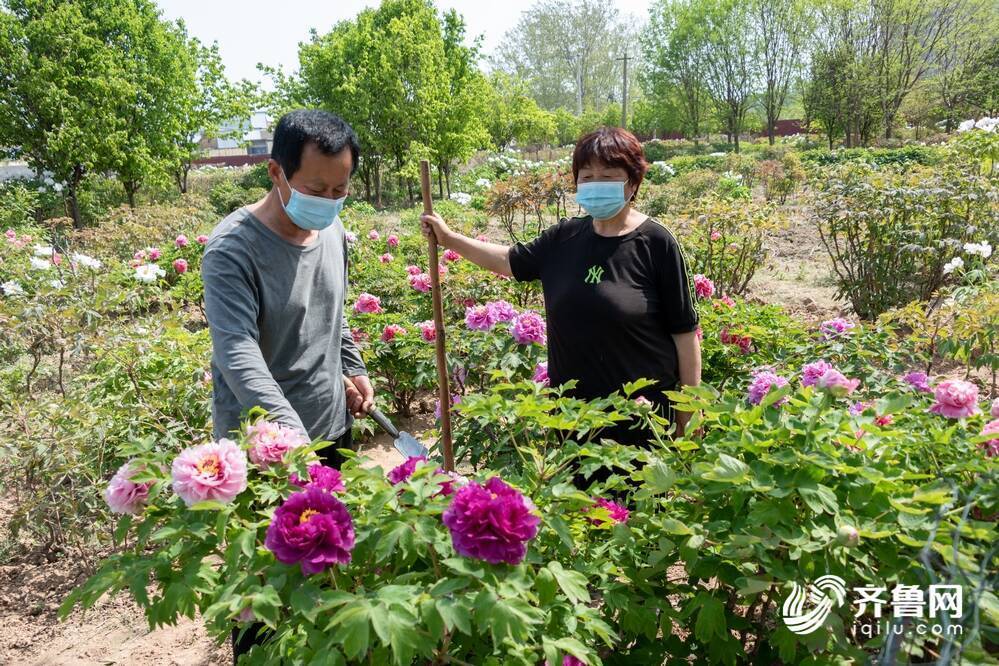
pixel 675 69
pixel 566 52
pixel 513 115
pixel 825 98
pixel 64 87
pixel 782 27
pixel 962 66
pixel 731 58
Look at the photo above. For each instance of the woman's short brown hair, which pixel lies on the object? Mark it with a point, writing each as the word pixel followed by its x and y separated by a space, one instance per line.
pixel 614 147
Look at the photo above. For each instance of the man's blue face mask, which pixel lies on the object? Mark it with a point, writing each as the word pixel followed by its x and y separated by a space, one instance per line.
pixel 308 211
pixel 602 199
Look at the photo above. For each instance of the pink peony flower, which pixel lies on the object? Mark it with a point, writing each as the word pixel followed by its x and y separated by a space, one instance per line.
pixel 154 253
pixel 140 255
pixel 373 235
pixel 368 303
pixel 529 327
pixel 764 381
pixel 700 333
pixel 10 234
pixel 884 420
pixel 393 240
pixel 358 335
pixel 212 471
pixel 618 513
pixel 715 235
pixel 180 241
pixel 858 407
pixel 56 258
pixel 469 302
pixel 321 476
pixel 491 522
pixel 269 441
pixel 202 239
pixel 441 269
pixel 349 237
pixel 811 372
pixel 122 494
pixel 918 381
pixel 479 318
pixel 180 265
pixel 420 282
pixel 451 255
pixel 991 447
pixel 403 471
pixel 541 374
pixel 743 342
pixel 836 383
pixel 994 411
pixel 455 400
pixel 703 287
pixel 833 328
pixel 391 331
pixel 501 311
pixel 413 270
pixel 385 258
pixel 956 399
pixel 428 330
pixel 312 529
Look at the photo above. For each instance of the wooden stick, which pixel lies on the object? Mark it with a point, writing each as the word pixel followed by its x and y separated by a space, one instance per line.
pixel 443 391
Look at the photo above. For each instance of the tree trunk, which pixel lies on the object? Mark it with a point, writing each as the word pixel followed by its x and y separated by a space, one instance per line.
pixel 447 179
pixel 130 190
pixel 440 181
pixel 771 131
pixel 74 202
pixel 378 186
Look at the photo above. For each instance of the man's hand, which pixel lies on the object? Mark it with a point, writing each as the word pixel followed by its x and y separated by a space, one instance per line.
pixel 360 395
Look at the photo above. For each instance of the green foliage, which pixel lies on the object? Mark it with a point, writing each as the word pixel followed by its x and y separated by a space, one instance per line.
pixel 903 157
pixel 227 195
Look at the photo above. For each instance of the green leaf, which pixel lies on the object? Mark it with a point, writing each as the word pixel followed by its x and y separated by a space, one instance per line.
pixel 455 615
pixel 573 583
pixel 396 627
pixel 354 631
pixel 728 470
pixel 658 477
pixel 710 619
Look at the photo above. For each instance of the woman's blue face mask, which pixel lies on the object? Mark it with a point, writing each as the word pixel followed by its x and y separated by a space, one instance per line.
pixel 603 199
pixel 308 211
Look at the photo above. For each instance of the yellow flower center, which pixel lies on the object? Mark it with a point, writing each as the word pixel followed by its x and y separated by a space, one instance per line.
pixel 308 513
pixel 210 465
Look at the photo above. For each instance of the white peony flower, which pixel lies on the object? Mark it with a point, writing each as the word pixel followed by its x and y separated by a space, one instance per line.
pixel 953 265
pixel 987 124
pixel 983 249
pixel 483 183
pixel 11 288
pixel 462 198
pixel 149 273
pixel 42 250
pixel 85 261
pixel 40 264
pixel 966 125
pixel 57 284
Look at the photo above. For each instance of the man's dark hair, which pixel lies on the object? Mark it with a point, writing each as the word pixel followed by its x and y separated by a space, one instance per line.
pixel 328 131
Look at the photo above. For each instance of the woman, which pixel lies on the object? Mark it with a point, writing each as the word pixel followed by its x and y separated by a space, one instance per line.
pixel 618 302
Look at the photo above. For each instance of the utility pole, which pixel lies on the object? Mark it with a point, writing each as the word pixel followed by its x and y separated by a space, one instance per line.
pixel 624 94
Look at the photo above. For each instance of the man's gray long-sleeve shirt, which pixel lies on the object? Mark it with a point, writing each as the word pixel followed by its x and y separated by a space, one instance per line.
pixel 280 338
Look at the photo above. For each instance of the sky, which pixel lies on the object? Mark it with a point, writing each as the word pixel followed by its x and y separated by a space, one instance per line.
pixel 252 31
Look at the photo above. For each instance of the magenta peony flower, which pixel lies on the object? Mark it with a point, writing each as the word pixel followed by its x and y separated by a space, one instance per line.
pixel 212 471
pixel 122 494
pixel 413 270
pixel 391 331
pixel 703 287
pixel 154 253
pixel 541 374
pixel 181 241
pixel 368 303
pixel 385 258
pixel 836 383
pixel 529 327
pixel 743 342
pixel 312 529
pixel 765 380
pixel 479 318
pixel 428 331
pixel 451 255
pixel 403 471
pixel 420 282
pixel 493 522
pixel 811 372
pixel 321 476
pixel 832 328
pixel 202 239
pixel 956 399
pixel 269 441
pixel 392 240
pixel 373 235
pixel 618 513
pixel 858 407
pixel 501 311
pixel 180 265
pixel 991 447
pixel 455 400
pixel 918 381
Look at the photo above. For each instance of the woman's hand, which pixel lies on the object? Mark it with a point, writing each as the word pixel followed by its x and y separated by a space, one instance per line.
pixel 434 223
pixel 360 395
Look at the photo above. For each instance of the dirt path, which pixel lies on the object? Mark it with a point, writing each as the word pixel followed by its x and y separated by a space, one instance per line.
pixel 115 630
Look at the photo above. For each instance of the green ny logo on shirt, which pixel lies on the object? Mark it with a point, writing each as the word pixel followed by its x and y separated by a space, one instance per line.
pixel 595 275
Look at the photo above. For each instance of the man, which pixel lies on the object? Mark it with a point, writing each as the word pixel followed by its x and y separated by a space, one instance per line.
pixel 275 278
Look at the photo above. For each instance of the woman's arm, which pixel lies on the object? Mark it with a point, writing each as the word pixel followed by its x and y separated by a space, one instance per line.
pixel 688 352
pixel 491 256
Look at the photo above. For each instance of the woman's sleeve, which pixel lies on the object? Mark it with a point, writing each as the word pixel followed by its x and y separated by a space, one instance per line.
pixel 527 259
pixel 679 311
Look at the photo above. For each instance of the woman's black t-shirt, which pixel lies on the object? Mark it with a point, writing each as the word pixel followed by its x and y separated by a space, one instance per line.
pixel 611 302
